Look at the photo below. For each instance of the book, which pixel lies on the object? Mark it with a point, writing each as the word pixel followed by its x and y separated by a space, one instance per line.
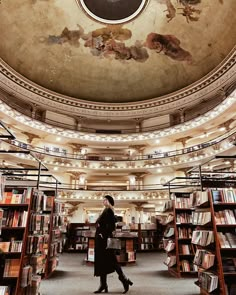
pixel 5 246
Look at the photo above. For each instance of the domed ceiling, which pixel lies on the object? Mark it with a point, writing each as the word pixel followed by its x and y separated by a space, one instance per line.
pixel 108 51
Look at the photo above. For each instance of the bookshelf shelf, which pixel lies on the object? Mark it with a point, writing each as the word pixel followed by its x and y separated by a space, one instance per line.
pixel 13 228
pixel 226 225
pixel 13 205
pixel 220 204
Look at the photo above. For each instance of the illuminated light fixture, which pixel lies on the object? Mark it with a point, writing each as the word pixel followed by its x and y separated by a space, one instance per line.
pixel 58 139
pixel 124 138
pixel 222 129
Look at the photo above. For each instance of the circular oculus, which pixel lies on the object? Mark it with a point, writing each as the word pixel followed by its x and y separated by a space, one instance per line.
pixel 113 11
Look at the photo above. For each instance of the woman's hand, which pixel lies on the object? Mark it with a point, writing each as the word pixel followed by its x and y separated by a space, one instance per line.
pixel 101 236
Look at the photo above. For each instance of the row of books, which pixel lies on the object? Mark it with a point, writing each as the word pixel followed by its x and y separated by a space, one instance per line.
pixel 169 245
pixel 80 233
pixel 17 196
pixel 198 198
pixel 42 202
pixel 39 223
pixel 227 240
pixel 186 249
pixel 11 246
pixel 204 258
pixel 37 244
pixel 81 240
pixel 80 246
pixel 201 217
pixel 184 233
pixel 38 263
pixel 54 249
pixel 184 218
pixel 203 237
pixel 208 281
pixel 187 266
pixel 13 218
pixel 167 205
pixel 148 233
pixel 147 246
pixel 11 268
pixel 26 276
pixel 225 216
pixel 57 220
pixel 224 195
pixel 59 207
pixel 147 240
pixel 183 202
pixel 143 226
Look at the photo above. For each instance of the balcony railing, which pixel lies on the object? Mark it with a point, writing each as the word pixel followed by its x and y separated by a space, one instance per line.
pixel 230 136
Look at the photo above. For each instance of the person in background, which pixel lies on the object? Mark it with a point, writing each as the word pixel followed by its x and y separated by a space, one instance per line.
pixel 105 261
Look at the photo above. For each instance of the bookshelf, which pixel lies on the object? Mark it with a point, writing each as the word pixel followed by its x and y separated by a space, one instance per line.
pixel 78 234
pixel 14 221
pixel 147 236
pixel 178 235
pixel 216 255
pixel 223 207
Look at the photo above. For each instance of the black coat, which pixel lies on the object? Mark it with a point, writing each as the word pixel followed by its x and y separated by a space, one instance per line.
pixel 105 259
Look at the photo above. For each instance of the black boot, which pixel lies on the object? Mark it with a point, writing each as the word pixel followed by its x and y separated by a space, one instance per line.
pixel 126 283
pixel 103 285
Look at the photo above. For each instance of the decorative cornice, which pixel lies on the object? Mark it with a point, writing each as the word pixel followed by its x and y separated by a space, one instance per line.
pixel 14 83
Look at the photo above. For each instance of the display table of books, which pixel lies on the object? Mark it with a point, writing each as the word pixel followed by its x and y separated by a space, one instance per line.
pixel 127 254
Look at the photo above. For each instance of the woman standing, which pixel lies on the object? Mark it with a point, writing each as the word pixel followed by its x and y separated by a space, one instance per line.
pixel 105 259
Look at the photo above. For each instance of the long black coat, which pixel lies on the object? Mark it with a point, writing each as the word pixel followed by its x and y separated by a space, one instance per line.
pixel 105 259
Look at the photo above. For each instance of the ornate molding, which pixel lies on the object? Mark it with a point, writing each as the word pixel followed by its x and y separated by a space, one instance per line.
pixel 17 85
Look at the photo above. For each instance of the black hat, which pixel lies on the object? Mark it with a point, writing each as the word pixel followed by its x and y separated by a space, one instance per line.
pixel 110 199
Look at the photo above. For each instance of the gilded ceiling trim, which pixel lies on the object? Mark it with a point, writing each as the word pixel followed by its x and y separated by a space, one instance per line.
pixel 17 85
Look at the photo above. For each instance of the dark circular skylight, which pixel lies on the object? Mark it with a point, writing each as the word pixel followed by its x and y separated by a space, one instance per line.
pixel 113 11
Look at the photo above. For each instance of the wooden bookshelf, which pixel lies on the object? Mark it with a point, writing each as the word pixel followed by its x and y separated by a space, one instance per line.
pixel 179 244
pixel 218 274
pixel 147 236
pixel 78 234
pixel 169 241
pixel 226 228
pixel 14 222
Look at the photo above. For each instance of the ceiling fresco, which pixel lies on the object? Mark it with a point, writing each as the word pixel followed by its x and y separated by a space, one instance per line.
pixel 168 45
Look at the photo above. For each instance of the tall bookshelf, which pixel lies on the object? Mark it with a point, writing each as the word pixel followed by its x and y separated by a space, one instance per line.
pixel 177 238
pixel 14 222
pixel 217 260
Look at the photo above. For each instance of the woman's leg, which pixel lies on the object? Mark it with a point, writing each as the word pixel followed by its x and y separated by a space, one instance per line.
pixel 125 281
pixel 103 284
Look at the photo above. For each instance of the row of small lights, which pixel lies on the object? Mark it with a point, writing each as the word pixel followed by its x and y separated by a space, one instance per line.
pixel 116 199
pixel 124 137
pixel 227 146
